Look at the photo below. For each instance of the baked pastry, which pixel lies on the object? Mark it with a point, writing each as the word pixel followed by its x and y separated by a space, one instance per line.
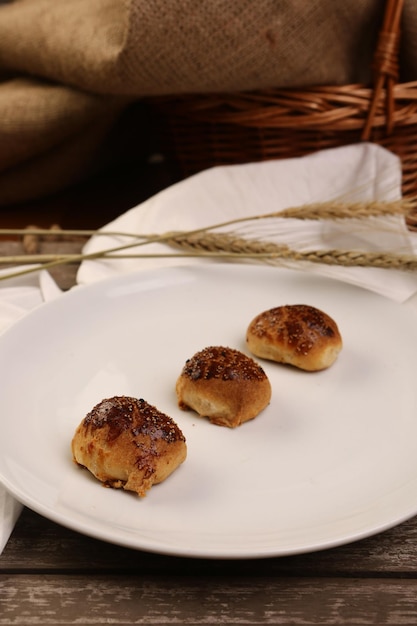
pixel 296 334
pixel 224 385
pixel 127 443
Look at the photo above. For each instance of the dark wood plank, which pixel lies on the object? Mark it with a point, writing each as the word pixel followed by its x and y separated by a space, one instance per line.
pixel 205 600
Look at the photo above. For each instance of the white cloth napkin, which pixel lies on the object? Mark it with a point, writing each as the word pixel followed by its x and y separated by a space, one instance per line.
pixel 355 173
pixel 19 296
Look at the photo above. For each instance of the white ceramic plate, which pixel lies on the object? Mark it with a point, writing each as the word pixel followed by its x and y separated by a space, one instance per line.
pixel 331 460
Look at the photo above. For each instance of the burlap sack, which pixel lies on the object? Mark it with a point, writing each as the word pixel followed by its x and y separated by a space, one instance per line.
pixel 71 67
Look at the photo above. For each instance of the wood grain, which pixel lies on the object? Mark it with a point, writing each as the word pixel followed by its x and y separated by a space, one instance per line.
pixel 45 599
pixel 53 575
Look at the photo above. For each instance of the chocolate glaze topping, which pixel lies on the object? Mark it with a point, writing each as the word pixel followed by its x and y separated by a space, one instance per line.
pixel 298 325
pixel 222 363
pixel 121 413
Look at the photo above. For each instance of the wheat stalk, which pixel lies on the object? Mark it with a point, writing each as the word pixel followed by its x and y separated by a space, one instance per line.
pixel 212 243
pixel 347 210
pixel 330 210
pixel 228 246
pixel 204 242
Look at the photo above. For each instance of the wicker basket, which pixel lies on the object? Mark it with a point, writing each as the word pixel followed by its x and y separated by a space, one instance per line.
pixel 219 129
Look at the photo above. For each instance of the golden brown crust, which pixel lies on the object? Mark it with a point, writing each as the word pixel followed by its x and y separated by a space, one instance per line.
pixel 297 334
pixel 224 385
pixel 127 443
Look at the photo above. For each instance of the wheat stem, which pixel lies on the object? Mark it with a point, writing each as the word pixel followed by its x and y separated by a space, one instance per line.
pixel 264 252
pixel 203 242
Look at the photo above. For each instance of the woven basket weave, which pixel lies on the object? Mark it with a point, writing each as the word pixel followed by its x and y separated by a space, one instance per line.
pixel 220 129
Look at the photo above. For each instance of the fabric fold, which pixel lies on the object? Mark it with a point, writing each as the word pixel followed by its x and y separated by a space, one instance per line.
pixel 18 297
pixel 75 60
pixel 138 48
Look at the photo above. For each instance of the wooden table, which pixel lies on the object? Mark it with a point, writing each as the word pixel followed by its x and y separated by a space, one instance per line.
pixel 52 575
